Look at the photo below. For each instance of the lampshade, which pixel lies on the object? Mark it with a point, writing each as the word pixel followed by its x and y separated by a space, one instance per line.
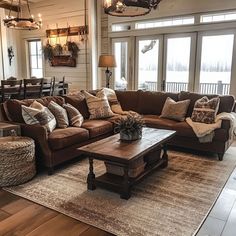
pixel 107 61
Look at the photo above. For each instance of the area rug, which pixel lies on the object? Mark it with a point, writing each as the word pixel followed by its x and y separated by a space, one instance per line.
pixel 172 201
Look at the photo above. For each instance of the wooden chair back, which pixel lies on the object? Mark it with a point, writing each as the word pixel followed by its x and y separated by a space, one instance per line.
pixel 59 87
pixel 48 86
pixel 11 89
pixel 33 88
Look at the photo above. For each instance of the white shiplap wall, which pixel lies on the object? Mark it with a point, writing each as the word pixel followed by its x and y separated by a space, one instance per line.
pixel 59 13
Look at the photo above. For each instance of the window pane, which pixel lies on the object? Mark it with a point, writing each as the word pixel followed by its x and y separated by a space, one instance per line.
pixel 177 64
pixel 121 71
pixel 216 61
pixel 39 47
pixel 33 48
pixel 40 62
pixel 36 73
pixel 33 62
pixel 148 64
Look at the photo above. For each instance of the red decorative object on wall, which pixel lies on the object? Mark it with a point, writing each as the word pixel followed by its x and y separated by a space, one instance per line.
pixel 63 60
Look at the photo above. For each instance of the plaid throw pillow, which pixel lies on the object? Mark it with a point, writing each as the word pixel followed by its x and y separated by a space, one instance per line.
pixel 205 110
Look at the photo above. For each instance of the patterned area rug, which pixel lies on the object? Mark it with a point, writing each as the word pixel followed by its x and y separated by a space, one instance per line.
pixel 172 201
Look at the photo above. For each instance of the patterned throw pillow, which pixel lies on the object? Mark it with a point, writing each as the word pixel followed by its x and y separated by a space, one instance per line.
pixel 36 113
pixel 112 99
pixel 75 117
pixel 175 110
pixel 60 114
pixel 98 105
pixel 205 110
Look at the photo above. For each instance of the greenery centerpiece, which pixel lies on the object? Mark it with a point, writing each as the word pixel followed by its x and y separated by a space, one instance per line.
pixel 130 127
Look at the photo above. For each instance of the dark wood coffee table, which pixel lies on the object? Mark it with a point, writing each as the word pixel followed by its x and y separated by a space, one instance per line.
pixel 123 154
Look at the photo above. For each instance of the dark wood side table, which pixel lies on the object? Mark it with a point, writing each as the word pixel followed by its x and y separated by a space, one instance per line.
pixel 7 128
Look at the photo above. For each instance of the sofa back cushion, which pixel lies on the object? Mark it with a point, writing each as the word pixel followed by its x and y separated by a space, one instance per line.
pixel 79 102
pixel 129 100
pixel 226 102
pixel 12 107
pixel 153 102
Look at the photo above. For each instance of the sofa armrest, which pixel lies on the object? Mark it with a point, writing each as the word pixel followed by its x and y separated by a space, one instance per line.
pixel 225 124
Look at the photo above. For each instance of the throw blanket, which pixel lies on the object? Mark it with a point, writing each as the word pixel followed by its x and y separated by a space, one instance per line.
pixel 205 132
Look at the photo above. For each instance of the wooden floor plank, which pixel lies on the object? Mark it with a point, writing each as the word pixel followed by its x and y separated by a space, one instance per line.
pixel 26 220
pixel 60 225
pixel 6 198
pixel 95 232
pixel 16 206
pixel 3 215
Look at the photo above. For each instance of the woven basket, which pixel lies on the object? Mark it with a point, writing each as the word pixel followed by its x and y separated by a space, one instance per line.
pixel 17 160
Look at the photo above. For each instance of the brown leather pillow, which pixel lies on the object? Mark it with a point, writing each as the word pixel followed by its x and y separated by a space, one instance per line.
pixel 205 110
pixel 175 110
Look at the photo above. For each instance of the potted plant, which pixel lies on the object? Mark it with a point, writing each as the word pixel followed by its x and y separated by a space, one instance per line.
pixel 48 51
pixel 73 49
pixel 130 127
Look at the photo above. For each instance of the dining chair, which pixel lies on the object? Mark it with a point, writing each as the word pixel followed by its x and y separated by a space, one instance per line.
pixel 48 84
pixel 10 89
pixel 59 87
pixel 33 88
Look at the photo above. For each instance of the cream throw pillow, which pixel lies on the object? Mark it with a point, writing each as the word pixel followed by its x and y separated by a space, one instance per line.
pixel 175 110
pixel 36 113
pixel 113 101
pixel 60 114
pixel 75 117
pixel 98 105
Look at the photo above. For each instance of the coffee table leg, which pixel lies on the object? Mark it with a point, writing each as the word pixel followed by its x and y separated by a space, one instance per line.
pixel 91 176
pixel 164 157
pixel 126 185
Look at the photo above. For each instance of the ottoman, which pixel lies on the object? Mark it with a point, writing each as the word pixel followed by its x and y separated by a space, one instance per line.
pixel 17 160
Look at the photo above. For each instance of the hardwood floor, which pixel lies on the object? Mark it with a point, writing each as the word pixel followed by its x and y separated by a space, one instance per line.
pixel 24 218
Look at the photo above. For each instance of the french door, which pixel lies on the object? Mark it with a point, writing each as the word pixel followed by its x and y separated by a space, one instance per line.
pixel 122 51
pixel 179 62
pixel 214 62
pixel 148 71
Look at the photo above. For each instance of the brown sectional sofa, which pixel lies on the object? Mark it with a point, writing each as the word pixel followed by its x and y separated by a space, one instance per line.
pixel 62 144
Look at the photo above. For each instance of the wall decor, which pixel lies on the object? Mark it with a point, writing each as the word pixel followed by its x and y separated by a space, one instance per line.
pixel 10 54
pixel 63 60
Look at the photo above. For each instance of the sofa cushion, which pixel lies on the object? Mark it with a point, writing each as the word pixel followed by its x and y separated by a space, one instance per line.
pixel 155 121
pixel 97 127
pixel 226 102
pixel 151 103
pixel 128 100
pixel 175 110
pixel 62 138
pixel 185 130
pixel 12 107
pixel 79 102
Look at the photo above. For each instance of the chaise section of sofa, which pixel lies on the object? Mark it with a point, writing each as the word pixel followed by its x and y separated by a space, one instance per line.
pixel 150 105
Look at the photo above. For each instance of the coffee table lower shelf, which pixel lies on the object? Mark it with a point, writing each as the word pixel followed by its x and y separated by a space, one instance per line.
pixel 122 184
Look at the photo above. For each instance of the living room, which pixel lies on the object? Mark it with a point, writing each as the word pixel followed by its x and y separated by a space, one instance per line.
pixel 118 117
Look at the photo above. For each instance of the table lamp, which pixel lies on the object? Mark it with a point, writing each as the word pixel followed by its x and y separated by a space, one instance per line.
pixel 107 61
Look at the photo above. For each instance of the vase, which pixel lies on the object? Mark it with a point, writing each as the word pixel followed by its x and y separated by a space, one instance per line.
pixel 127 136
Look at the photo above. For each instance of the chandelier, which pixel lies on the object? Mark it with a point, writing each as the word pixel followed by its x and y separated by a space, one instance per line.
pixel 20 22
pixel 129 8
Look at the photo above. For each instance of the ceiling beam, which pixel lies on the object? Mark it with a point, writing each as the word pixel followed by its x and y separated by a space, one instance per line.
pixel 8 6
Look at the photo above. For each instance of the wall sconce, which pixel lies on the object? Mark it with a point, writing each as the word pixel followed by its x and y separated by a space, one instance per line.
pixel 10 54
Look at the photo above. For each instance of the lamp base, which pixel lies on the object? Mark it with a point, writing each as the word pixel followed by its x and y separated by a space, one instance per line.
pixel 108 77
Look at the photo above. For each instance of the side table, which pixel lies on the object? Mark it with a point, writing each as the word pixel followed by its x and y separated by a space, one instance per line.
pixel 6 128
pixel 17 160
